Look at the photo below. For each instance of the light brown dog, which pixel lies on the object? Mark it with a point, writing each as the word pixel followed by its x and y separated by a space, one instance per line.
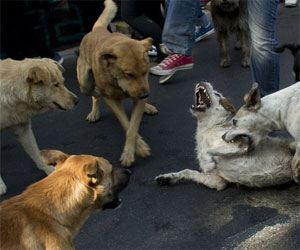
pixel 27 88
pixel 115 67
pixel 50 212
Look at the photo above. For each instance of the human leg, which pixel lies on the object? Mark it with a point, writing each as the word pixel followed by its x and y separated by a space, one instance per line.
pixel 179 30
pixel 264 61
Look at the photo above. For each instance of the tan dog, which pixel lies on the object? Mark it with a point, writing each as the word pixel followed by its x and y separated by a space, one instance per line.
pixel 50 212
pixel 115 67
pixel 27 88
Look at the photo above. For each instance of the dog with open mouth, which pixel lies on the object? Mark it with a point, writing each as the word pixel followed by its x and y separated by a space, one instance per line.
pixel 220 162
pixel 260 116
pixel 49 213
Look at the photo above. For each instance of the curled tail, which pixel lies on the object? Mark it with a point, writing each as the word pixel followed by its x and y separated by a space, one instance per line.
pixel 108 14
pixel 292 47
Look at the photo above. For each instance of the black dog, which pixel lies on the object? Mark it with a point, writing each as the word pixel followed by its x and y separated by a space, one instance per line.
pixel 295 51
pixel 230 16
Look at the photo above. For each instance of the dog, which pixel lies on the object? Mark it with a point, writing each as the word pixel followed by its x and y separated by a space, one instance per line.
pixel 49 213
pixel 295 52
pixel 230 16
pixel 115 67
pixel 27 88
pixel 259 116
pixel 220 162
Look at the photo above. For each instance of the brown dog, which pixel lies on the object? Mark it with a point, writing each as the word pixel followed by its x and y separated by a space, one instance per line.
pixel 115 67
pixel 230 16
pixel 27 88
pixel 50 212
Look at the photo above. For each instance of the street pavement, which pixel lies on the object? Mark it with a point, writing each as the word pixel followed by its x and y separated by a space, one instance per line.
pixel 185 216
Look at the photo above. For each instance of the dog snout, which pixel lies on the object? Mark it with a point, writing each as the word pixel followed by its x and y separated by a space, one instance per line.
pixel 144 95
pixel 75 100
pixel 127 171
pixel 224 136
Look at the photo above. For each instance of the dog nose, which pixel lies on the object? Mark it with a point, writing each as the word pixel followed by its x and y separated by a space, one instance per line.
pixel 127 171
pixel 76 100
pixel 143 95
pixel 224 136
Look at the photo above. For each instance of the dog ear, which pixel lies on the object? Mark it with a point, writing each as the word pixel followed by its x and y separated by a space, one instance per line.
pixel 53 157
pixel 93 172
pixel 147 43
pixel 37 74
pixel 227 104
pixel 108 57
pixel 58 65
pixel 252 99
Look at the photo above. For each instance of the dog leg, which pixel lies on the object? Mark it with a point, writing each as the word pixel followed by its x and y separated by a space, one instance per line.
pixel 227 150
pixel 296 164
pixel 245 50
pixel 224 51
pixel 140 146
pixel 3 187
pixel 26 138
pixel 150 109
pixel 209 179
pixel 127 157
pixel 94 115
pixel 238 44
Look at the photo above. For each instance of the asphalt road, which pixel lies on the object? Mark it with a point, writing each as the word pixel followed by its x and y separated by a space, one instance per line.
pixel 185 216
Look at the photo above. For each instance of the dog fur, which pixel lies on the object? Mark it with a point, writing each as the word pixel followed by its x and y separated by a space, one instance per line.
pixel 115 67
pixel 50 212
pixel 27 88
pixel 258 117
pixel 221 162
pixel 295 52
pixel 230 16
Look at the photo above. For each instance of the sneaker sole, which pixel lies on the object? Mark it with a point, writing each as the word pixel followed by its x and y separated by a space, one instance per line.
pixel 171 71
pixel 205 35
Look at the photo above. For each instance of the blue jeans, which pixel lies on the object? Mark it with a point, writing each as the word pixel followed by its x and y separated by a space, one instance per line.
pixel 179 29
pixel 265 64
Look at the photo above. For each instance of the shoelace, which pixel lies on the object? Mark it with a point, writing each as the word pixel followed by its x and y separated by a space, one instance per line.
pixel 169 60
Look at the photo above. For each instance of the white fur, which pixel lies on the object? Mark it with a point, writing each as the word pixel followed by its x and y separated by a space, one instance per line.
pixel 278 111
pixel 221 162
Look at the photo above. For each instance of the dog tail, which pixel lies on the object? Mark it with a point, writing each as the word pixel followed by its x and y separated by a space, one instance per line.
pixel 108 14
pixel 292 47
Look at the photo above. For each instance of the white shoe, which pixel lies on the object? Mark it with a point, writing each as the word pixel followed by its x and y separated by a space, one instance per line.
pixel 153 51
pixel 290 3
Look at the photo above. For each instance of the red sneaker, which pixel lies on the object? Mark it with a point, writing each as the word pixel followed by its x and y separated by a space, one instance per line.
pixel 171 64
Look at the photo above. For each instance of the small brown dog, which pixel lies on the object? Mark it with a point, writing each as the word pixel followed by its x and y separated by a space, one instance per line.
pixel 230 16
pixel 50 212
pixel 27 88
pixel 115 67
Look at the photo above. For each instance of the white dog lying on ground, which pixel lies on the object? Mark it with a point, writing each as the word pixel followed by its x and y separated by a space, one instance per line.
pixel 221 162
pixel 278 111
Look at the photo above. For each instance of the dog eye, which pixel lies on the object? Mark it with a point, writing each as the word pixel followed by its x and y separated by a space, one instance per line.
pixel 129 75
pixel 234 122
pixel 56 85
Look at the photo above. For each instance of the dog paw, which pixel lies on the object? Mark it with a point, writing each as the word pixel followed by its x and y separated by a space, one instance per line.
pixel 225 62
pixel 246 62
pixel 141 148
pixel 3 188
pixel 127 158
pixel 163 180
pixel 150 109
pixel 93 117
